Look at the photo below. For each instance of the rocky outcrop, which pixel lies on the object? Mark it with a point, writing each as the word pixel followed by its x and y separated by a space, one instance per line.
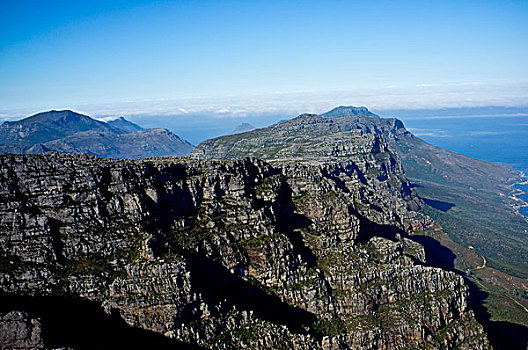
pixel 19 331
pixel 347 131
pixel 231 254
pixel 124 125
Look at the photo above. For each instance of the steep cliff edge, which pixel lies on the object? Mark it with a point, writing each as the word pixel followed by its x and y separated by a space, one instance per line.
pixel 225 254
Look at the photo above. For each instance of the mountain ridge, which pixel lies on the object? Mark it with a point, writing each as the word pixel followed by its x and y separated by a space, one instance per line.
pixel 124 125
pixel 323 244
pixel 438 172
pixel 71 132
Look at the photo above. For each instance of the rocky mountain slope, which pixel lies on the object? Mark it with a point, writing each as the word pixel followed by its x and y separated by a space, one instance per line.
pixel 70 132
pixel 223 254
pixel 416 154
pixel 457 188
pixel 124 125
pixel 470 198
pixel 18 136
pixel 140 144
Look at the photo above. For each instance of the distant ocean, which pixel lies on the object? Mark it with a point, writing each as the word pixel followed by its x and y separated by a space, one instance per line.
pixel 498 138
pixel 524 188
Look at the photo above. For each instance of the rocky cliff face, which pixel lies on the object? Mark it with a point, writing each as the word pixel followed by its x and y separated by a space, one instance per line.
pixel 384 146
pixel 349 110
pixel 18 331
pixel 223 254
pixel 311 136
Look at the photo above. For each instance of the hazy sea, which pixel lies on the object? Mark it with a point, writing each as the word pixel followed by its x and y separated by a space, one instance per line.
pixel 498 138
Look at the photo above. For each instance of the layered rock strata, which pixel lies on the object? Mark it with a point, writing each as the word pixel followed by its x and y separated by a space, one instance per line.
pixel 227 254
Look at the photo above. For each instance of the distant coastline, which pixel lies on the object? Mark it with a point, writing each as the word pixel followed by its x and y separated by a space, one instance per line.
pixel 497 139
pixel 520 194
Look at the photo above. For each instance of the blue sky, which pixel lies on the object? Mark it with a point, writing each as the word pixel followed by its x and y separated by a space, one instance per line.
pixel 145 57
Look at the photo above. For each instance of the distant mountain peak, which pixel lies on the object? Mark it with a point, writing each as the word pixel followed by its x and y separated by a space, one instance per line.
pixel 70 132
pixel 54 115
pixel 342 111
pixel 244 127
pixel 124 125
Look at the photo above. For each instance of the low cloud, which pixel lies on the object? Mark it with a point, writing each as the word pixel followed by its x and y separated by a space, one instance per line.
pixel 429 132
pixel 109 118
pixel 420 96
pixel 487 133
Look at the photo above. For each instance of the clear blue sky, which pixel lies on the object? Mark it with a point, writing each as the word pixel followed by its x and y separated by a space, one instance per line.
pixel 75 53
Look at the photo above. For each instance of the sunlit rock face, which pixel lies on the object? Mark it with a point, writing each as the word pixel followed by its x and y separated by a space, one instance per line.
pixel 226 254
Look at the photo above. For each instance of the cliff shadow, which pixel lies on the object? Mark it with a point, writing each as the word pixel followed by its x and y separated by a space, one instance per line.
pixel 288 222
pixel 436 254
pixel 81 324
pixel 369 228
pixel 351 169
pixel 217 284
pixel 210 278
pixel 501 334
pixel 438 205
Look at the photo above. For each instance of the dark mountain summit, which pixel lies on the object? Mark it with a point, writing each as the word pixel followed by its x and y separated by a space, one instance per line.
pixel 349 110
pixel 18 136
pixel 65 119
pixel 141 144
pixel 70 132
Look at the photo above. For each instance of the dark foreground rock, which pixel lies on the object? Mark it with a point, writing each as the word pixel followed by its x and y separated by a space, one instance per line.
pixel 19 331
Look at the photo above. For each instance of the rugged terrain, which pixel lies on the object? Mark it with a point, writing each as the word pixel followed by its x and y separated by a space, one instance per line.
pixel 468 198
pixel 70 132
pixel 222 254
pixel 456 188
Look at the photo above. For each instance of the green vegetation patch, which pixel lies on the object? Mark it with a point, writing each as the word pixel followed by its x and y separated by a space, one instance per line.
pixel 331 327
pixel 482 220
pixel 246 334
